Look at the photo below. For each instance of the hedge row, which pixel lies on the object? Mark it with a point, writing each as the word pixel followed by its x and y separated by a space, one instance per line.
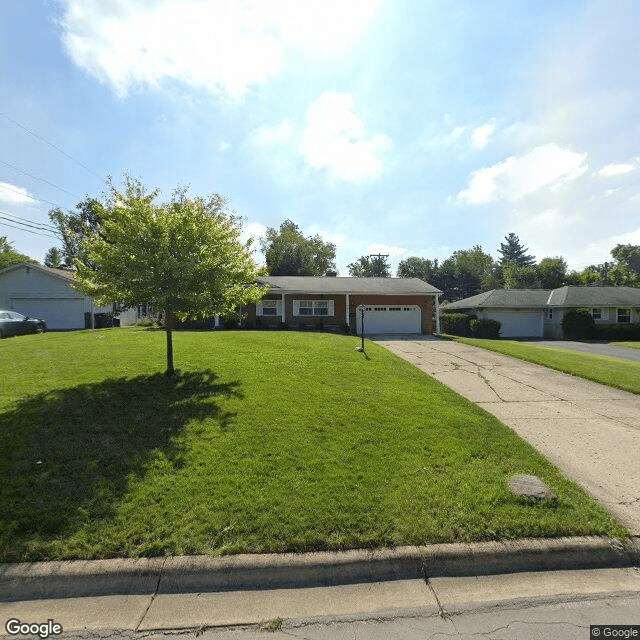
pixel 468 325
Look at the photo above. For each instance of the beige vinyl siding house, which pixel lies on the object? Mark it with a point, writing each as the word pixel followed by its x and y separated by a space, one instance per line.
pixel 537 313
pixel 47 294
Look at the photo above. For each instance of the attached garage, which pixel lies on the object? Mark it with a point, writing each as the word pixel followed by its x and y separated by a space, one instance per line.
pixel 46 294
pixel 517 323
pixel 58 313
pixel 385 319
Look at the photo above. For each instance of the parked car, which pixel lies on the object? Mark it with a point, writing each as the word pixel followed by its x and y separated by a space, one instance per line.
pixel 15 324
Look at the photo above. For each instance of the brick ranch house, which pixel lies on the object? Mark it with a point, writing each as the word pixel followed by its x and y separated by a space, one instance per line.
pixel 392 305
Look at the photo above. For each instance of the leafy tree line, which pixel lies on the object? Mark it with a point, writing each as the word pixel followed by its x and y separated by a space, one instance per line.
pixel 9 256
pixel 469 272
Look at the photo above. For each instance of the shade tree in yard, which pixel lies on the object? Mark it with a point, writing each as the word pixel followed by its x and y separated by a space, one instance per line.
pixel 185 256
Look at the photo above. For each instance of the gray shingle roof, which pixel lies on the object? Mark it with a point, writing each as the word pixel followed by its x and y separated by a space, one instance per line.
pixel 543 298
pixel 595 297
pixel 379 286
pixel 61 273
pixel 503 298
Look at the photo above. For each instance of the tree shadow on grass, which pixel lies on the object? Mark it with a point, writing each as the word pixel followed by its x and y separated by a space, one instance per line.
pixel 66 455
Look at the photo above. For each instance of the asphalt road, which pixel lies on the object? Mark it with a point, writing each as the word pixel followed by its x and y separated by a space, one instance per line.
pixel 561 620
pixel 543 605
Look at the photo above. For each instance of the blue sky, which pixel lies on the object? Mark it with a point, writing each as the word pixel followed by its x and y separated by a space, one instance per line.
pixel 400 127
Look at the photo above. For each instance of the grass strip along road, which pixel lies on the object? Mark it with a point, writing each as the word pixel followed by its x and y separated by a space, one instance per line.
pixel 264 442
pixel 613 372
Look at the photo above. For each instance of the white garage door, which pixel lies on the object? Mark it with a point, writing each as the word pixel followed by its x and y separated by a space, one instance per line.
pixel 518 324
pixel 58 313
pixel 389 319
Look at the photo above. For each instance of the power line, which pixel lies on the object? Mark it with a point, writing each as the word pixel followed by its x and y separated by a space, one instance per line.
pixel 26 195
pixel 24 225
pixel 40 179
pixel 64 153
pixel 6 224
pixel 42 225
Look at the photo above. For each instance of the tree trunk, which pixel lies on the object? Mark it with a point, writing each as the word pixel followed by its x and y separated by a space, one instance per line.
pixel 168 323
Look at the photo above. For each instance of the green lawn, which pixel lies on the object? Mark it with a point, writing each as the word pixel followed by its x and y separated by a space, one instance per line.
pixel 613 372
pixel 626 345
pixel 266 442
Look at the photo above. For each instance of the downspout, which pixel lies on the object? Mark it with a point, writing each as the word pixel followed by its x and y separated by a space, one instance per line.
pixel 284 309
pixel 346 321
pixel 437 314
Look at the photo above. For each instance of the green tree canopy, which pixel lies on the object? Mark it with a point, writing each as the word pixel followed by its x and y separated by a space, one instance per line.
pixel 513 251
pixel 370 267
pixel 9 256
pixel 628 255
pixel 516 276
pixel 184 256
pixel 288 253
pixel 415 267
pixel 552 272
pixel 74 228
pixel 464 274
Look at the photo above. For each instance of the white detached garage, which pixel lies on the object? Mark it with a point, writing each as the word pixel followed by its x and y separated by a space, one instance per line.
pixel 47 294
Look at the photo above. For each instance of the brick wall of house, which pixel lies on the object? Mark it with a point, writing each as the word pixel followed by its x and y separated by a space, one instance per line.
pixel 338 319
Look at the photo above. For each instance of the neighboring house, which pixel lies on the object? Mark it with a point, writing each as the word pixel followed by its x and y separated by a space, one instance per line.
pixel 536 313
pixel 392 305
pixel 48 294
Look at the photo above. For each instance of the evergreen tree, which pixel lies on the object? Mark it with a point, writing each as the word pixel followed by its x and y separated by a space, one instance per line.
pixel 513 251
pixel 53 258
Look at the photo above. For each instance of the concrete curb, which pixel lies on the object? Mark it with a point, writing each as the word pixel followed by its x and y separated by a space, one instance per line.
pixel 192 574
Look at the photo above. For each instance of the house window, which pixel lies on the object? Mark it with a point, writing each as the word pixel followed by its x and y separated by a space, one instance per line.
pixel 624 316
pixel 267 308
pixel 313 307
pixel 596 312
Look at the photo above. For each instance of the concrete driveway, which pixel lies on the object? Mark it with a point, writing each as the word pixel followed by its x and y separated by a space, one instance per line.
pixel 590 431
pixel 593 348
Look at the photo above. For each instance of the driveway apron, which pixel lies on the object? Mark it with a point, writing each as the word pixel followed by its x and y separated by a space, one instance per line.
pixel 590 431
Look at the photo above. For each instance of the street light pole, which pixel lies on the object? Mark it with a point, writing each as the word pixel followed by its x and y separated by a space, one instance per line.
pixel 361 309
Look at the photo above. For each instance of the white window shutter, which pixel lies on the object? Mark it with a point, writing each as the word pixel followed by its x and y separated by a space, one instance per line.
pixel 605 313
pixel 331 309
pixel 296 307
pixel 258 308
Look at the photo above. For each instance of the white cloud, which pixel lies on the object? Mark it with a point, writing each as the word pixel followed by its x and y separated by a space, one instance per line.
pixel 334 139
pixel 11 194
pixel 272 135
pixel 612 170
pixel 253 231
pixel 518 176
pixel 207 44
pixel 224 146
pixel 480 136
pixel 394 252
